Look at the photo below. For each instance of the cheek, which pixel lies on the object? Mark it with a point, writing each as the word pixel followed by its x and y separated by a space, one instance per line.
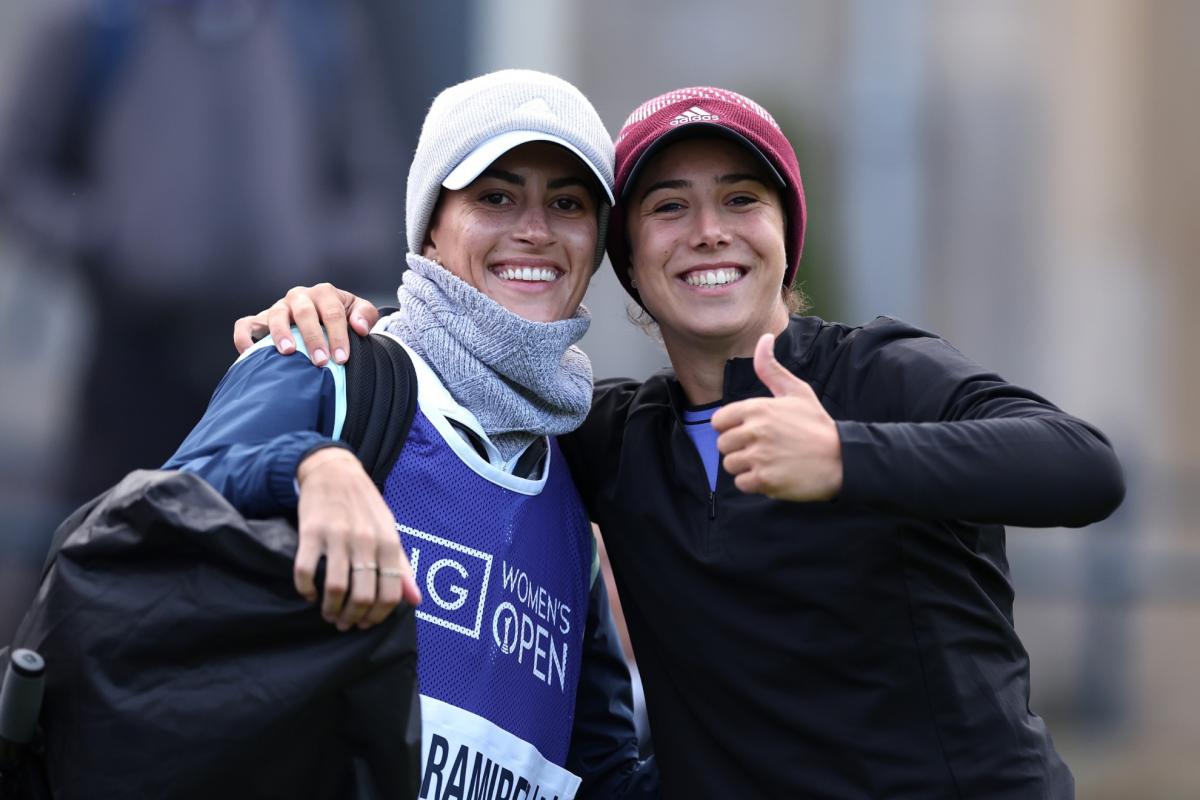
pixel 460 259
pixel 582 239
pixel 473 241
pixel 655 262
pixel 648 250
pixel 457 266
pixel 773 232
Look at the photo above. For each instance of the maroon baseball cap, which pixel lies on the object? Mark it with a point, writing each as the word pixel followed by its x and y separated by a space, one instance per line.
pixel 705 111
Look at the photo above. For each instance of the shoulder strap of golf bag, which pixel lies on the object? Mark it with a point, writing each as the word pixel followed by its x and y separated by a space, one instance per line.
pixel 381 398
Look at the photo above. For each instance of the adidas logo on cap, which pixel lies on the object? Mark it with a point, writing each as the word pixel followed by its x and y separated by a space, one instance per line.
pixel 694 114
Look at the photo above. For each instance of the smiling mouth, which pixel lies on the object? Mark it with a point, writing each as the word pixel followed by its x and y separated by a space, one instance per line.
pixel 527 274
pixel 714 277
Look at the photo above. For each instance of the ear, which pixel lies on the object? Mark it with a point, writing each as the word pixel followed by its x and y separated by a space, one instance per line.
pixel 429 247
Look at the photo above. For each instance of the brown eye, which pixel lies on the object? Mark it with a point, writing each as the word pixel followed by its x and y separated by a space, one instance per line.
pixel 567 204
pixel 496 199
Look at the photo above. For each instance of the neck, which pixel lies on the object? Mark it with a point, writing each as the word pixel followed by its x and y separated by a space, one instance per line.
pixel 521 379
pixel 699 362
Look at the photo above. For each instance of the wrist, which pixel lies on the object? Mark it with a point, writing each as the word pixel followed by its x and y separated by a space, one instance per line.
pixel 837 473
pixel 322 454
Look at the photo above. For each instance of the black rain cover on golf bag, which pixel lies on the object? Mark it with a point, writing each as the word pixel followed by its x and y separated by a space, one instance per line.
pixel 182 663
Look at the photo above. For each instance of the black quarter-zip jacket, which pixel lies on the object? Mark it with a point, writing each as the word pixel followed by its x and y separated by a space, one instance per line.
pixel 859 648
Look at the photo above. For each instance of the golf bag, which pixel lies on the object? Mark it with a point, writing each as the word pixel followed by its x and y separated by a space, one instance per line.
pixel 180 662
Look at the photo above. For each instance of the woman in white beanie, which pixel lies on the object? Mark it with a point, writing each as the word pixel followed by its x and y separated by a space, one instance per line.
pixel 508 199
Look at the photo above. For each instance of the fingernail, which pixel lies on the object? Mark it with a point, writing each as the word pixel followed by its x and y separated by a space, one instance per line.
pixel 339 356
pixel 287 345
pixel 319 357
pixel 360 322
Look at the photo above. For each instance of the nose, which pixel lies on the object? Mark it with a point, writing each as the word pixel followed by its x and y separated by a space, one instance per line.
pixel 533 227
pixel 709 231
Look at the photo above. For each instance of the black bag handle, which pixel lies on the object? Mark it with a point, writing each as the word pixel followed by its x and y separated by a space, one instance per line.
pixel 381 399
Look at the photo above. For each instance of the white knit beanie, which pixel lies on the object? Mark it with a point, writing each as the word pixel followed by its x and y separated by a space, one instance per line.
pixel 472 124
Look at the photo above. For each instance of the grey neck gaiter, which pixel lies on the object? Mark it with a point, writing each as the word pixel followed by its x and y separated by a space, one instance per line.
pixel 520 379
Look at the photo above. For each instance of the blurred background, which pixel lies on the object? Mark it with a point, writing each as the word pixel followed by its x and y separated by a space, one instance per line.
pixel 1017 175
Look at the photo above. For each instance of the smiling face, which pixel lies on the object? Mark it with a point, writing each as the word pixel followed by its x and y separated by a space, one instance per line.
pixel 706 234
pixel 523 232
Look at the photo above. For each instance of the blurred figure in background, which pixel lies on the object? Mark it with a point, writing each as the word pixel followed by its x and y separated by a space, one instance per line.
pixel 172 149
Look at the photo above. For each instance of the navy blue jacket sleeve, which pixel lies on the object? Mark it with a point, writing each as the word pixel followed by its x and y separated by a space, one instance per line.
pixel 926 432
pixel 604 746
pixel 267 413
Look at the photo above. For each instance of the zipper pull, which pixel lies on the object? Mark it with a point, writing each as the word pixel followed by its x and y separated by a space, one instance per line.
pixel 712 505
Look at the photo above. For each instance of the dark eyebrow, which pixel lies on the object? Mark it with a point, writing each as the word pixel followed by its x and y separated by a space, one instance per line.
pixel 671 184
pixel 733 177
pixel 738 177
pixel 499 174
pixel 570 180
pixel 517 180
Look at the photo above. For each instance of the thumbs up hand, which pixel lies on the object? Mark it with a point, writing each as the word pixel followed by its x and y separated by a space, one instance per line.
pixel 785 446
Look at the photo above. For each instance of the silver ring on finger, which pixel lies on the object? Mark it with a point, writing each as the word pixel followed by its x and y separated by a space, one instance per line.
pixel 391 572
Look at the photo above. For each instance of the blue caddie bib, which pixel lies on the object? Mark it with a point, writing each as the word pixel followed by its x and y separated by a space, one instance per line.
pixel 504 565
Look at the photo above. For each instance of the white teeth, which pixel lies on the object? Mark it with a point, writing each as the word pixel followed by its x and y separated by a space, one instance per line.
pixel 713 277
pixel 527 274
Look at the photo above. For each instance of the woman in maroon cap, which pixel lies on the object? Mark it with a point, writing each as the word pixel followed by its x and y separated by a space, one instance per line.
pixel 804 518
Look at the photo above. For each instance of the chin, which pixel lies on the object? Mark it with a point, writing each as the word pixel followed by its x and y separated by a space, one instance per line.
pixel 536 313
pixel 721 330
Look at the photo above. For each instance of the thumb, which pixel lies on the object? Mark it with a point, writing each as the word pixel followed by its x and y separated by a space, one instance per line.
pixel 362 313
pixel 774 376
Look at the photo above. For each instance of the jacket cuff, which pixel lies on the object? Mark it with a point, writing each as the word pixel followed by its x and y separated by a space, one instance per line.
pixel 281 478
pixel 864 475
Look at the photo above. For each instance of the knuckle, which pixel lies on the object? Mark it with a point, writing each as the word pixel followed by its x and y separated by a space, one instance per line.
pixel 362 539
pixel 389 548
pixel 311 538
pixel 336 530
pixel 315 534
